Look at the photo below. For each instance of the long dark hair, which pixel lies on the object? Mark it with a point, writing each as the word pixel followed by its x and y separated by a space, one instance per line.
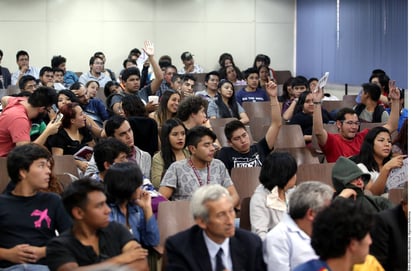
pixel 301 102
pixel 223 109
pixel 162 110
pixel 166 148
pixel 223 72
pixel 365 155
pixel 285 95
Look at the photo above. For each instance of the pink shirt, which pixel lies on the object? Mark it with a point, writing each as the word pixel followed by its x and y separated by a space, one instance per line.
pixel 15 125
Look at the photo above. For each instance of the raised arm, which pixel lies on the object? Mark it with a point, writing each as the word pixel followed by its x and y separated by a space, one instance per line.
pixel 276 119
pixel 288 114
pixel 149 50
pixel 244 118
pixel 318 129
pixel 393 120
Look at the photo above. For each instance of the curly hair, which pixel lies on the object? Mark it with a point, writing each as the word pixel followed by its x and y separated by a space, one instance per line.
pixel 190 105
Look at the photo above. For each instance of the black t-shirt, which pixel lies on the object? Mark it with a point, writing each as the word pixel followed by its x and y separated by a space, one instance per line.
pixel 66 248
pixel 30 220
pixel 306 121
pixel 254 158
pixel 62 140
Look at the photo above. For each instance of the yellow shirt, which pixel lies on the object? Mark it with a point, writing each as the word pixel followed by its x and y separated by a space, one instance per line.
pixel 370 264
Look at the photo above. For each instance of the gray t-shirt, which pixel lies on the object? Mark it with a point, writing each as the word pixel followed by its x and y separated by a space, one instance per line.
pixel 213 110
pixel 182 177
pixel 368 116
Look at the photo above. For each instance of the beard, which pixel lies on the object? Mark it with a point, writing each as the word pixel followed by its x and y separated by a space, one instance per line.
pixel 40 117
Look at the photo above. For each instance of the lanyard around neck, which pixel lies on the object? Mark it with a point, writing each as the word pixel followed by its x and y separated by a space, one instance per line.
pixel 199 179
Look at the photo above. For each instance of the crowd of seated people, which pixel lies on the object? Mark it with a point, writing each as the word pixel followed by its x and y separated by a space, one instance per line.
pixel 60 111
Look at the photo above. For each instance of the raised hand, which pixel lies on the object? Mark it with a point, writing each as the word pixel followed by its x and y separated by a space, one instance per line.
pixel 394 92
pixel 272 89
pixel 149 48
pixel 52 127
pixel 151 106
pixel 317 95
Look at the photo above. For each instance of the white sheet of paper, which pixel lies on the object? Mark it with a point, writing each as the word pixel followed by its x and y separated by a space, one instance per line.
pixel 398 176
pixel 322 81
pixel 141 60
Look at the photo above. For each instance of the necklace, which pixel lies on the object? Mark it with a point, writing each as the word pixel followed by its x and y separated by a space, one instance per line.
pixel 199 179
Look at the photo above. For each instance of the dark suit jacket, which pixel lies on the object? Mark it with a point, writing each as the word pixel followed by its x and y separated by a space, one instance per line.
pixel 390 239
pixel 187 251
pixel 6 77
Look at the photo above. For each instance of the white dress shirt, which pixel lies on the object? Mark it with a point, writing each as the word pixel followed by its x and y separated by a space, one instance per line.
pixel 287 246
pixel 213 248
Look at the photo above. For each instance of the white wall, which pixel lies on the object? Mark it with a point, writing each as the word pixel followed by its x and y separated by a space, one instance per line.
pixel 207 28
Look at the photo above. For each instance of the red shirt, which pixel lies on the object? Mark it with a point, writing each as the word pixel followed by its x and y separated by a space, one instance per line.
pixel 336 146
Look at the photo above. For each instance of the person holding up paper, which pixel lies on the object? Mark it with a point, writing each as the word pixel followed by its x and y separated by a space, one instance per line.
pixel 348 140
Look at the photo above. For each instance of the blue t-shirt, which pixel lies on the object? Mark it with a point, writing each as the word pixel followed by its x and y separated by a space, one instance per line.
pixel 259 95
pixel 313 265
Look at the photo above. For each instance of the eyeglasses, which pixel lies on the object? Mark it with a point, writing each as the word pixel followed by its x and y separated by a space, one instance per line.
pixel 350 123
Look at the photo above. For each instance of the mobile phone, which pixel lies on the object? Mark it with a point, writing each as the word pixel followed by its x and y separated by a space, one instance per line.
pixel 58 117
